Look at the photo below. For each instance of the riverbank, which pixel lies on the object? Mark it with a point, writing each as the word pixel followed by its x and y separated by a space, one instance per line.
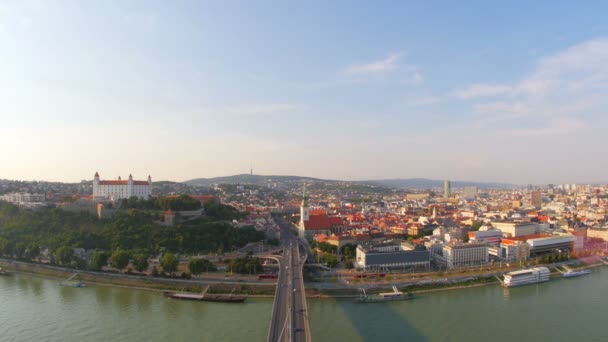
pixel 251 290
pixel 140 282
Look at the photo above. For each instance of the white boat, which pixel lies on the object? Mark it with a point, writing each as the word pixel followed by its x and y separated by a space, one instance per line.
pixel 524 277
pixel 572 273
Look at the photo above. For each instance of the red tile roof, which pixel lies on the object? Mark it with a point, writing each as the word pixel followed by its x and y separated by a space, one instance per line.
pixel 122 182
pixel 113 182
pixel 205 198
pixel 317 222
pixel 336 221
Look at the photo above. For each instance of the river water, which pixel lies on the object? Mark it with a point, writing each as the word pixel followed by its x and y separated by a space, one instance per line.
pixel 37 309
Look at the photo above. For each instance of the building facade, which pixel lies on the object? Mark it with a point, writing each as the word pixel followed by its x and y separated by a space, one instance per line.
pixel 447 189
pixel 515 251
pixel 491 237
pixel 536 199
pixel 597 233
pixel 467 254
pixel 516 229
pixel 24 199
pixel 119 189
pixel 390 257
pixel 470 193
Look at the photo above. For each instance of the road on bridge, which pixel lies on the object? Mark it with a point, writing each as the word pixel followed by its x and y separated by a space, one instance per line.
pixel 290 314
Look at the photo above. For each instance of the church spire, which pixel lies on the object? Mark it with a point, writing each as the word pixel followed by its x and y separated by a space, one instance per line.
pixel 304 198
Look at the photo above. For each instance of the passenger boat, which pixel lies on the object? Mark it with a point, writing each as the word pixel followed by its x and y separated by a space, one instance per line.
pixel 4 272
pixel 524 277
pixel 384 297
pixel 204 297
pixel 573 273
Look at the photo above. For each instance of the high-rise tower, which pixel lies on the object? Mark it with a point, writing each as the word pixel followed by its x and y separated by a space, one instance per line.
pixel 447 189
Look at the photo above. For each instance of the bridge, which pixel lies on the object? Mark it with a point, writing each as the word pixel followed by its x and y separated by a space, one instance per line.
pixel 289 320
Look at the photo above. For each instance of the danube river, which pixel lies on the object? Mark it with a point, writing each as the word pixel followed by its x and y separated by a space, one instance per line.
pixel 36 309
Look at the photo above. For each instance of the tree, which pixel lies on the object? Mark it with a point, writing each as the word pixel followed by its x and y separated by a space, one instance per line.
pixel 349 250
pixel 327 248
pixel 331 260
pixel 99 260
pixel 349 265
pixel 218 211
pixel 476 225
pixel 140 262
pixel 198 266
pixel 245 265
pixel 120 259
pixel 80 263
pixel 169 263
pixel 20 250
pixel 64 255
pixel 6 247
pixel 33 251
pixel 54 227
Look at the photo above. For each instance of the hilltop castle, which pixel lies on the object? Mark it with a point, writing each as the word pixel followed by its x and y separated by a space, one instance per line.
pixel 119 189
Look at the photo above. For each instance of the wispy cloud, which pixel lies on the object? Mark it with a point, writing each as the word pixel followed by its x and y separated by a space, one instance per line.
pixel 266 108
pixel 557 126
pixel 483 90
pixel 417 77
pixel 564 90
pixel 389 63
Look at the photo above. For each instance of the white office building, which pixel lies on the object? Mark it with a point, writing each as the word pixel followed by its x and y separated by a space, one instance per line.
pixel 466 254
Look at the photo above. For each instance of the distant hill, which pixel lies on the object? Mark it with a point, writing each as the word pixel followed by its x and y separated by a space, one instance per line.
pixel 248 179
pixel 422 183
pixel 410 183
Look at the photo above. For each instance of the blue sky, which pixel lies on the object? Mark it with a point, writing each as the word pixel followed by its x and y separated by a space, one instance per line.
pixel 513 92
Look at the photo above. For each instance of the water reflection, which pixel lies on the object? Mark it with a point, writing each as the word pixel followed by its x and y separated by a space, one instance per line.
pixel 68 294
pixel 22 283
pixel 123 298
pixel 370 322
pixel 36 285
pixel 102 295
pixel 143 300
pixel 170 308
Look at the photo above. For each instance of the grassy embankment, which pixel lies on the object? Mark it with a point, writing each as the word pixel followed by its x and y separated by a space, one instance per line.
pixel 145 283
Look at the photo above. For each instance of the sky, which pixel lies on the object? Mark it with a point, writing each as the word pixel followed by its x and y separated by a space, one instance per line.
pixel 509 92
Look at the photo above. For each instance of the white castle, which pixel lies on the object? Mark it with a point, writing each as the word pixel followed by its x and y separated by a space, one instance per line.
pixel 119 189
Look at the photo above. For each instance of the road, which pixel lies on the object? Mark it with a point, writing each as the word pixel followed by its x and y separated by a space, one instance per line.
pixel 290 313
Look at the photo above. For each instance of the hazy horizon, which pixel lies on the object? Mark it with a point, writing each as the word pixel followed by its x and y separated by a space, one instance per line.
pixel 509 93
pixel 138 177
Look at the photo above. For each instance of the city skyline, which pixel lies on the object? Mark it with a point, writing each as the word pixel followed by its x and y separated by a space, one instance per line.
pixel 335 91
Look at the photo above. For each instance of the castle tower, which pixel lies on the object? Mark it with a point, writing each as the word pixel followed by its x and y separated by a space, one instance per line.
pixel 130 186
pixel 149 180
pixel 96 184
